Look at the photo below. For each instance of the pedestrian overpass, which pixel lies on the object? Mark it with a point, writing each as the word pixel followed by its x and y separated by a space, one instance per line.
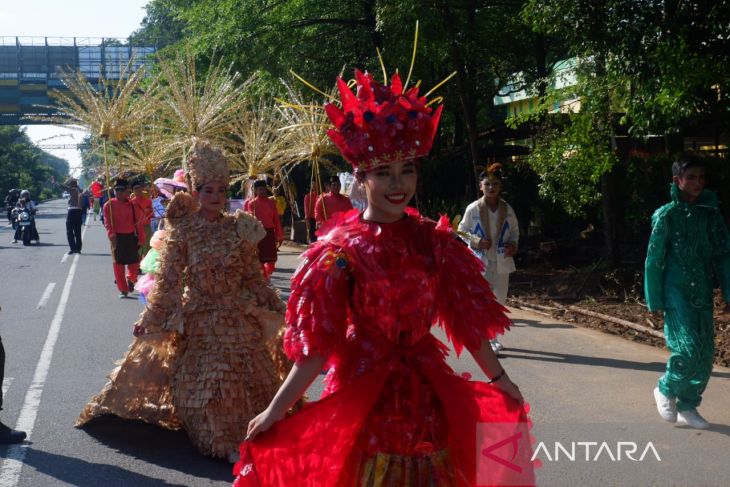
pixel 30 67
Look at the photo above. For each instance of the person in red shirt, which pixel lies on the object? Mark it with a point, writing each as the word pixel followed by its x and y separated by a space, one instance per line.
pixel 97 191
pixel 125 229
pixel 310 200
pixel 143 205
pixel 330 203
pixel 264 209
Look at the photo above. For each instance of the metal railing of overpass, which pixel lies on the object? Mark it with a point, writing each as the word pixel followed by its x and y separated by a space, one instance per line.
pixel 31 66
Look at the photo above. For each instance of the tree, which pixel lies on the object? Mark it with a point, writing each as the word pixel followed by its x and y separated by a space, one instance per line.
pixel 643 68
pixel 160 26
pixel 317 39
pixel 25 166
pixel 665 61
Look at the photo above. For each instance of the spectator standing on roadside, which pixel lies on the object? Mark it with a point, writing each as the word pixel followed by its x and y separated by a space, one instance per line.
pixel 74 216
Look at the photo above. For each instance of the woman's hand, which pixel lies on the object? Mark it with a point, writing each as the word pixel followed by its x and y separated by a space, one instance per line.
pixel 506 385
pixel 262 422
pixel 300 377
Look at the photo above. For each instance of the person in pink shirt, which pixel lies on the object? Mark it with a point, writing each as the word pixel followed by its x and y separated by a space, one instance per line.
pixel 264 209
pixel 330 203
pixel 125 229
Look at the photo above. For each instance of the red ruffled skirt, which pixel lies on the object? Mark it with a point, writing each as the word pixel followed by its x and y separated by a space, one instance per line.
pixel 481 436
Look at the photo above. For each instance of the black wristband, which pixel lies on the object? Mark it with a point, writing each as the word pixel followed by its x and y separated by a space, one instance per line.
pixel 497 377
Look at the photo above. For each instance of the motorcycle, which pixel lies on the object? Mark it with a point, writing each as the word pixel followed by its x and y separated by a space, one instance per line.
pixel 25 225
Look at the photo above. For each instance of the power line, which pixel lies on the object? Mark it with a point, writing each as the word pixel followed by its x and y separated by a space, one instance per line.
pixel 61 146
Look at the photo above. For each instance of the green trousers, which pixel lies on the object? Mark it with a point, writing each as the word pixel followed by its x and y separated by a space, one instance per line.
pixel 690 337
pixel 143 249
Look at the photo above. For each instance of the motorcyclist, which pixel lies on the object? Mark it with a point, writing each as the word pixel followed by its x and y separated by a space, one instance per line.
pixel 26 203
pixel 19 206
pixel 10 200
pixel 32 207
pixel 30 204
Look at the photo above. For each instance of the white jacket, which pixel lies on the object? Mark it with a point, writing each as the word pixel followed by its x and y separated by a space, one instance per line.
pixel 500 227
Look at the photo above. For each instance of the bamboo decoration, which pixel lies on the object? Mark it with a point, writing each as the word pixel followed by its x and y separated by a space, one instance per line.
pixel 306 128
pixel 198 107
pixel 257 143
pixel 114 111
pixel 150 153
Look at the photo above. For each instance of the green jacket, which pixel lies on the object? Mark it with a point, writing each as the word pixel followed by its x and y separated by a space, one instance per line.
pixel 687 241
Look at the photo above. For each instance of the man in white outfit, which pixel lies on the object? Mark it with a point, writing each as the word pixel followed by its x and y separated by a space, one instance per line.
pixel 490 228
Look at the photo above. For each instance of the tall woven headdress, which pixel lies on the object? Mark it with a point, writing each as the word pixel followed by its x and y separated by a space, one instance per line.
pixel 207 163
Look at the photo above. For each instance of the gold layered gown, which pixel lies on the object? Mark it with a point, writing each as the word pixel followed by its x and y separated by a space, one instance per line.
pixel 211 358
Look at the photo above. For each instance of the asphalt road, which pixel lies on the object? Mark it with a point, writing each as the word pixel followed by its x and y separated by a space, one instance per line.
pixel 63 327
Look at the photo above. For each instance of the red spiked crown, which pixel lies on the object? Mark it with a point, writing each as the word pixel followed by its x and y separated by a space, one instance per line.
pixel 381 124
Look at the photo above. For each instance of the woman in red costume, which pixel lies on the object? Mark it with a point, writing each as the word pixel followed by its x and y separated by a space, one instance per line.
pixel 362 305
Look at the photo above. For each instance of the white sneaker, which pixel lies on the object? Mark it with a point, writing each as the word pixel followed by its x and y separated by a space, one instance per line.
pixel 667 407
pixel 692 419
pixel 496 346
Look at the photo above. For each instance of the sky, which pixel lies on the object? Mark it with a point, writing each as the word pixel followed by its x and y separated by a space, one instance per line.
pixel 68 18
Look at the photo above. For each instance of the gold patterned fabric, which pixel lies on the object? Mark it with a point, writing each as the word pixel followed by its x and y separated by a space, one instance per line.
pixel 386 470
pixel 212 357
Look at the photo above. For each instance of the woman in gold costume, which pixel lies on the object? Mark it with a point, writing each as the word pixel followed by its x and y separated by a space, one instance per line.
pixel 204 357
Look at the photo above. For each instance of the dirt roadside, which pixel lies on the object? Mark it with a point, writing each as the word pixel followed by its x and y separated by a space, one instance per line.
pixel 613 292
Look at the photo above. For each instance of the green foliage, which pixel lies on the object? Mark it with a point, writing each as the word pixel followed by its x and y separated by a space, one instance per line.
pixel 24 166
pixel 160 27
pixel 644 68
pixel 664 61
pixel 570 159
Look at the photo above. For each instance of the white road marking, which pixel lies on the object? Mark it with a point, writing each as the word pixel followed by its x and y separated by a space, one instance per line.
pixel 6 385
pixel 13 463
pixel 46 295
